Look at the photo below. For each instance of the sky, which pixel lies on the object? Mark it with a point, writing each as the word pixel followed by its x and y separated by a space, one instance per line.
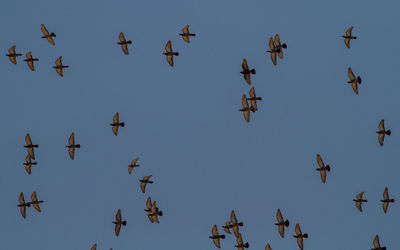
pixel 184 124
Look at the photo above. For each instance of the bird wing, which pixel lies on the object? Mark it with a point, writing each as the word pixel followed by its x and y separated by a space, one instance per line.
pixel 360 195
pixel 143 186
pixel 348 31
pixel 94 247
pixel 30 65
pixel 347 42
pixel 134 161
pixel 71 152
pixel 13 59
pixel 350 74
pixel 186 39
pixel 23 211
pixel 31 152
pixel 71 139
pixel 236 231
pixel 115 129
pixel 381 125
pixel 116 118
pixel 233 217
pixel 29 55
pixel 358 205
pixel 245 67
pixel 271 44
pixel 376 241
pixel 125 48
pixel 323 175
pixel 44 30
pixel 385 206
pixel 226 228
pixel 277 41
pixel 381 138
pixel 28 168
pixel 245 104
pixel 386 194
pixel 279 216
pixel 122 37
pixel 268 247
pixel 28 139
pixel 118 216
pixel 320 161
pixel 254 104
pixel 217 243
pixel 155 218
pixel 252 92
pixel 214 230
pixel 239 239
pixel 33 196
pixel 273 57
pixel 300 242
pixel 168 47
pixel 281 229
pixel 246 115
pixel 59 61
pixel 12 50
pixel 60 71
pixel 146 178
pixel 117 229
pixel 50 39
pixel 247 78
pixel 36 206
pixel 355 87
pixel 21 198
pixel 297 229
pixel 148 203
pixel 28 158
pixel 170 60
pixel 185 29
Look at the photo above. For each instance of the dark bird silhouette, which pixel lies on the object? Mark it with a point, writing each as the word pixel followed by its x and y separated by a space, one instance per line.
pixel 12 55
pixel 59 66
pixel 227 226
pixel 348 37
pixel 35 202
pixel 118 222
pixel 186 34
pixel 235 224
pixel 353 80
pixel 71 145
pixel 133 165
pixel 30 146
pixel 94 247
pixel 279 46
pixel 22 205
pixel 322 168
pixel 246 71
pixel 124 43
pixel 253 99
pixel 28 163
pixel 240 245
pixel 29 60
pixel 47 35
pixel 281 223
pixel 382 132
pixel 155 212
pixel 116 124
pixel 144 182
pixel 268 247
pixel 170 54
pixel 359 200
pixel 386 200
pixel 273 50
pixel 215 236
pixel 377 245
pixel 299 236
pixel 246 109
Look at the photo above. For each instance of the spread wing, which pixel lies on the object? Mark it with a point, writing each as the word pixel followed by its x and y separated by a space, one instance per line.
pixel 71 152
pixel 30 65
pixel 358 205
pixel 347 42
pixel 245 104
pixel 214 230
pixel 60 71
pixel 134 161
pixel 94 247
pixel 29 55
pixel 36 206
pixel 252 92
pixel 122 37
pixel 168 47
pixel 386 194
pixel 59 61
pixel 246 115
pixel 118 216
pixel 300 242
pixel 323 175
pixel 254 104
pixel 146 178
pixel 381 125
pixel 28 139
pixel 148 203
pixel 351 75
pixel 271 44
pixel 279 216
pixel 23 211
pixel 143 186
pixel 217 243
pixel 186 39
pixel 31 152
pixel 320 161
pixel 13 59
pixel 233 217
pixel 12 50
pixel 273 57
pixel 117 229
pixel 247 78
pixel 185 30
pixel 281 229
pixel 28 158
pixel 115 129
pixel 44 30
pixel 33 196
pixel 239 239
pixel 226 228
pixel 71 139
pixel 297 229
pixel 155 218
pixel 236 231
pixel 348 31
pixel 355 87
pixel 116 118
pixel 125 48
pixel 28 168
pixel 245 67
pixel 360 195
pixel 376 241
pixel 170 60
pixel 21 198
pixel 268 247
pixel 385 206
pixel 381 138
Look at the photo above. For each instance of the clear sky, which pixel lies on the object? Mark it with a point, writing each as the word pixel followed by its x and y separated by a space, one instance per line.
pixel 184 124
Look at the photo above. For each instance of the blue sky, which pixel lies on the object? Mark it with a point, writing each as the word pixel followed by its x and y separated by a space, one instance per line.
pixel 183 123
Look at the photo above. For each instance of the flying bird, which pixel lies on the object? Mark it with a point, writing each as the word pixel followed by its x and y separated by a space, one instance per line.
pixel 246 109
pixel 124 43
pixel 144 182
pixel 35 202
pixel 273 50
pixel 246 71
pixel 148 209
pixel 386 200
pixel 299 236
pixel 253 99
pixel 382 132
pixel 348 37
pixel 12 55
pixel 59 66
pixel 235 224
pixel 22 205
pixel 186 34
pixel 154 212
pixel 215 236
pixel 29 60
pixel 71 145
pixel 133 165
pixel 359 200
pixel 116 124
pixel 170 54
pixel 28 163
pixel 268 247
pixel 240 245
pixel 279 46
pixel 281 223
pixel 47 35
pixel 353 80
pixel 118 222
pixel 322 168
pixel 30 146
pixel 377 245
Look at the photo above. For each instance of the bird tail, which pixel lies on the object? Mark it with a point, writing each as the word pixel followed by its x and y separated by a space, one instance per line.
pixel 359 79
pixel 122 124
pixel 129 42
pixel 388 132
pixel 35 146
pixel 392 200
pixel 278 50
pixel 305 236
pixel 52 34
pixel 160 213
pixel 192 34
pixel 328 168
pixel 354 37
pixel 246 245
pixel 240 224
pixel 124 223
pixel 287 223
pixel 259 98
pixel 176 53
pixel 284 46
pixel 78 146
pixel 222 236
pixel 253 71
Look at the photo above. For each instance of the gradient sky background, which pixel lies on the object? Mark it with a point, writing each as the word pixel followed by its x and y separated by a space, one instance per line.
pixel 183 123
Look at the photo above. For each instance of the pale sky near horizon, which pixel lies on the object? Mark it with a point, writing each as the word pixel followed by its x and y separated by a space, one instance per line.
pixel 184 124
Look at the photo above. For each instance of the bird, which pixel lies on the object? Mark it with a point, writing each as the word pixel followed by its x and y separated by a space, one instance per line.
pixel 186 34
pixel 322 168
pixel 35 202
pixel 240 245
pixel 246 109
pixel 359 200
pixel 386 200
pixel 29 60
pixel 279 46
pixel 348 37
pixel 382 132
pixel 215 236
pixel 144 182
pixel 235 224
pixel 154 212
pixel 281 223
pixel 71 145
pixel 377 245
pixel 227 226
pixel 133 165
pixel 94 247
pixel 253 99
pixel 47 35
pixel 30 146
pixel 273 50
pixel 353 80
pixel 124 43
pixel 22 205
pixel 148 209
pixel 59 66
pixel 268 247
pixel 28 163
pixel 12 55
pixel 170 54
pixel 246 71
pixel 118 222
pixel 116 124
pixel 299 236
